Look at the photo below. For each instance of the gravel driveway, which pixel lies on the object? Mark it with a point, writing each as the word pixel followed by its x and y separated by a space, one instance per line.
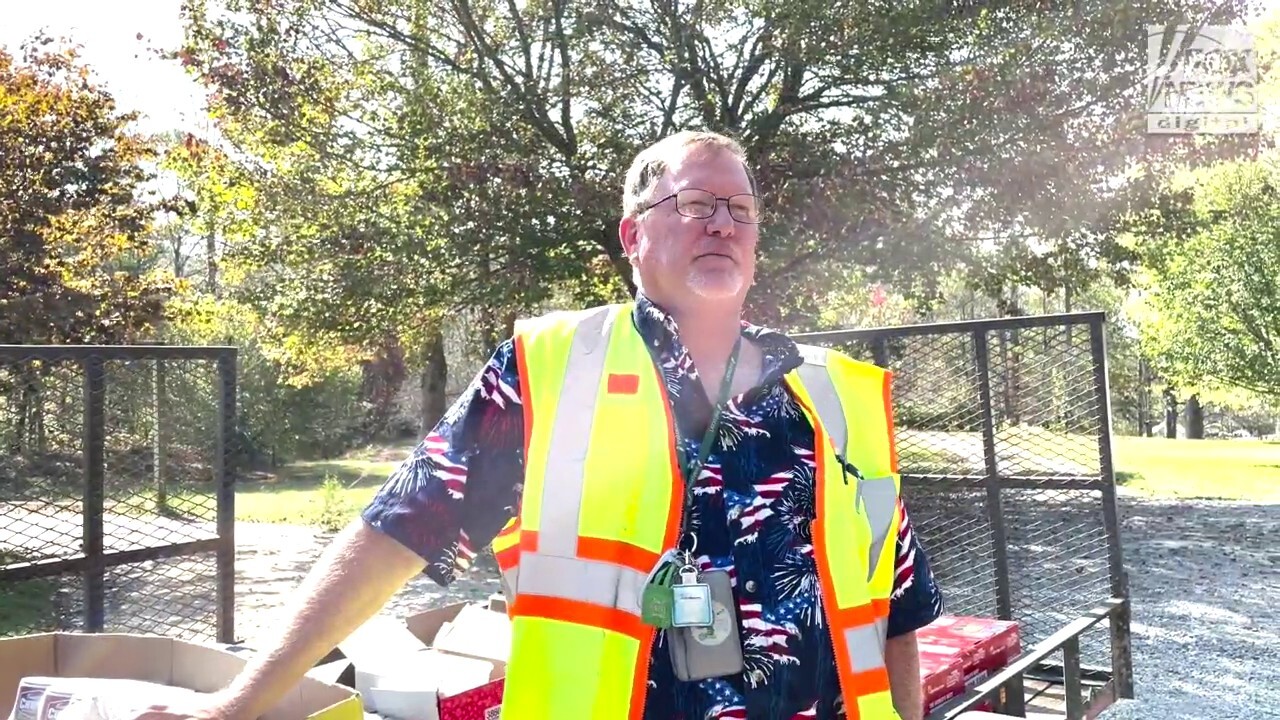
pixel 1205 578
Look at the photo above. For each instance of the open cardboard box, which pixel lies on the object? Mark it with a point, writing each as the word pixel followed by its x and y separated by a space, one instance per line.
pixel 159 660
pixel 447 663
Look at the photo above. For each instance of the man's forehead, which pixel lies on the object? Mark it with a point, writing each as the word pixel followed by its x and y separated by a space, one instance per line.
pixel 694 164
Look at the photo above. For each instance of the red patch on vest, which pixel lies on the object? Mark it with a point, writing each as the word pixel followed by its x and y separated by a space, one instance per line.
pixel 623 384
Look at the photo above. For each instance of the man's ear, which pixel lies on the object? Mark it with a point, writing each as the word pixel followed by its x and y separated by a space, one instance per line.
pixel 629 235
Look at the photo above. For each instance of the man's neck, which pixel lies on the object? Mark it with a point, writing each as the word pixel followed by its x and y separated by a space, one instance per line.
pixel 708 329
pixel 709 333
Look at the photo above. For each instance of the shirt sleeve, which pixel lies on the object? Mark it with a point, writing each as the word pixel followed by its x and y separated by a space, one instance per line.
pixel 916 599
pixel 461 484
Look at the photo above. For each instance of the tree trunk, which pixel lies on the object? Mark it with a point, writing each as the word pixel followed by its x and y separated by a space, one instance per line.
pixel 435 376
pixel 211 263
pixel 1170 414
pixel 381 380
pixel 19 419
pixel 1195 418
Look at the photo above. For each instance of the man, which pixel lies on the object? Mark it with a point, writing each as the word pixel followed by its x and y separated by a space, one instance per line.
pixel 569 453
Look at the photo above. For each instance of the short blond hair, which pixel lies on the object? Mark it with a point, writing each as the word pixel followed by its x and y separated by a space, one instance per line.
pixel 652 163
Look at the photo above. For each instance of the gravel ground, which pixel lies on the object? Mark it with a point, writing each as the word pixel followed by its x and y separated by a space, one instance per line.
pixel 272 559
pixel 1205 580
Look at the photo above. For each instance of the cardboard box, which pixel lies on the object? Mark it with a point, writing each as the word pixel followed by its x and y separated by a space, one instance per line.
pixel 958 653
pixel 159 660
pixel 447 663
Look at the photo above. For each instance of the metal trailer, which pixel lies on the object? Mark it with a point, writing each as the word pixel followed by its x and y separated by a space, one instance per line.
pixel 1004 440
pixel 117 489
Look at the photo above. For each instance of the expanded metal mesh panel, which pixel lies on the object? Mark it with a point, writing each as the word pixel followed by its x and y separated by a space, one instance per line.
pixel 1001 429
pixel 111 464
pixel 173 596
pixel 956 534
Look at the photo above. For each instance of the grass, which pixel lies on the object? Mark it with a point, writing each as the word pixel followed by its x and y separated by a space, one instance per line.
pixel 324 493
pixel 25 606
pixel 1224 469
pixel 329 493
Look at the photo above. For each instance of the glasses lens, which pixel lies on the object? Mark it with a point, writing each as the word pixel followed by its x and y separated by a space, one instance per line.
pixel 695 203
pixel 745 208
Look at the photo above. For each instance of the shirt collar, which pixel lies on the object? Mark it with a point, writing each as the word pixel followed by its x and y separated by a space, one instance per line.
pixel 660 331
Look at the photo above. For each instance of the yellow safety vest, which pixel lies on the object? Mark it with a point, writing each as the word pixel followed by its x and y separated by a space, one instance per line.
pixel 602 499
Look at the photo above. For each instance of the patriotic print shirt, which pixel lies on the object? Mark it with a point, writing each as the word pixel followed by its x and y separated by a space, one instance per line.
pixel 753 505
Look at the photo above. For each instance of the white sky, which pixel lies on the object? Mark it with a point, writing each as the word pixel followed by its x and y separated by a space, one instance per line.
pixel 108 31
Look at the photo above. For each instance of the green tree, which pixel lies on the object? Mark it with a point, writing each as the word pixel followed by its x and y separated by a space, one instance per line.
pixel 74 207
pixel 1212 283
pixel 886 137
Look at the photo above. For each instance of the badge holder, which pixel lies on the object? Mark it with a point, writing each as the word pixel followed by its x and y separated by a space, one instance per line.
pixel 691 606
pixel 657 598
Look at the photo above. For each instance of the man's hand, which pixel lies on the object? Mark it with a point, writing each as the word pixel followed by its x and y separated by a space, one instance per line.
pixel 902 660
pixel 359 571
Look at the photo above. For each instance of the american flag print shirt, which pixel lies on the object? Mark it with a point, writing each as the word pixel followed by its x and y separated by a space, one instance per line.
pixel 753 504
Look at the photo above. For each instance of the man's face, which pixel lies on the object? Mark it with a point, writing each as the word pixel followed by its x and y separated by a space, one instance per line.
pixel 681 257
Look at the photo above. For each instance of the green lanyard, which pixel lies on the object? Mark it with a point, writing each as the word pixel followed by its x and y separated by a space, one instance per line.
pixel 692 470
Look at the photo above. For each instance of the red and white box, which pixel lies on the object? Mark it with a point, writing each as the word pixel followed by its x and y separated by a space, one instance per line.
pixel 958 653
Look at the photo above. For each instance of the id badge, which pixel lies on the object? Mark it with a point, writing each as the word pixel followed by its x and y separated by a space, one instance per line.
pixel 691 606
pixel 712 650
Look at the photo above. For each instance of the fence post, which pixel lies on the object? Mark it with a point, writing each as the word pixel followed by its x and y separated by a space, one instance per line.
pixel 995 513
pixel 159 451
pixel 1013 701
pixel 1121 654
pixel 224 474
pixel 95 435
pixel 880 351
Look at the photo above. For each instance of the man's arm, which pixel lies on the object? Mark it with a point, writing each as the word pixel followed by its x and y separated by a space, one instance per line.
pixel 357 574
pixel 915 603
pixel 902 660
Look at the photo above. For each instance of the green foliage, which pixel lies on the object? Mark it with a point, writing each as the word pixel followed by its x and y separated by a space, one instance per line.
pixel 73 215
pixel 1212 253
pixel 471 154
pixel 336 510
pixel 26 606
pixel 283 414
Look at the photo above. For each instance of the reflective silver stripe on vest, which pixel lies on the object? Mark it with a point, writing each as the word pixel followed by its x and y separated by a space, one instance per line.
pixel 555 569
pixel 567 450
pixel 508 580
pixel 599 583
pixel 815 376
pixel 880 495
pixel 866 650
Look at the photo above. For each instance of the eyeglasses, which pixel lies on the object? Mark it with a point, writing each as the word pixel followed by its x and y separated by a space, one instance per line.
pixel 701 204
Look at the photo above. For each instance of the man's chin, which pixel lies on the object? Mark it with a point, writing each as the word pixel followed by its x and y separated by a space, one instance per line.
pixel 717 285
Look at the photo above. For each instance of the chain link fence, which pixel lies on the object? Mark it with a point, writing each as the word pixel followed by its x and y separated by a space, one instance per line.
pixel 1003 430
pixel 116 490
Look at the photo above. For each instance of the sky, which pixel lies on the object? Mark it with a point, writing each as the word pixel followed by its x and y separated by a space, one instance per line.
pixel 108 31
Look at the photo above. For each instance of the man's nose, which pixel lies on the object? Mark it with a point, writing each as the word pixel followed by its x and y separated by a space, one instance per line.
pixel 721 222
